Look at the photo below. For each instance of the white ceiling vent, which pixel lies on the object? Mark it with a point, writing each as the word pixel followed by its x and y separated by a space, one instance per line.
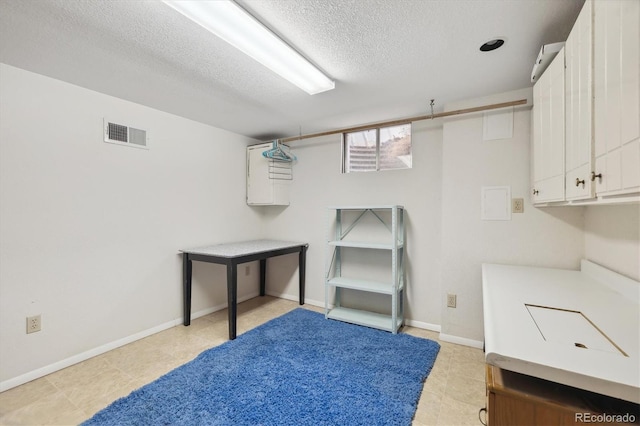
pixel 123 134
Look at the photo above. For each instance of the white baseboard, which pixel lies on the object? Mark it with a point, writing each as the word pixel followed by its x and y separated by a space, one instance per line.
pixel 423 325
pixel 409 322
pixel 51 368
pixel 412 323
pixel 67 362
pixel 319 304
pixel 296 298
pixel 461 341
pixel 220 307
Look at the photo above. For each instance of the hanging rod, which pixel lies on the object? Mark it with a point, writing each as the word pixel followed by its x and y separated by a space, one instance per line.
pixel 406 120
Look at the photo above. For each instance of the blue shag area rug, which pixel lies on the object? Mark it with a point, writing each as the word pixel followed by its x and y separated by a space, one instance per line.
pixel 297 369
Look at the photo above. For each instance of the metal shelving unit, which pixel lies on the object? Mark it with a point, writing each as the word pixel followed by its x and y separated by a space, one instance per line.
pixel 393 242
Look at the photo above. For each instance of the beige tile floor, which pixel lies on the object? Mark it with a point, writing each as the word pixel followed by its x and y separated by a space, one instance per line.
pixel 452 394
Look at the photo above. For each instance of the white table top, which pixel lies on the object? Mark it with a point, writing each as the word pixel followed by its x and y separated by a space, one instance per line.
pixel 242 248
pixel 514 342
pixel 371 207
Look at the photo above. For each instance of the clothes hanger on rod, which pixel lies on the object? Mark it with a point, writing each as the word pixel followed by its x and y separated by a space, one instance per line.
pixel 279 152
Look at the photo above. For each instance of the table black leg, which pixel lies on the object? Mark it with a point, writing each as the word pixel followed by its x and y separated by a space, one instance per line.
pixel 302 266
pixel 186 287
pixel 232 297
pixel 263 276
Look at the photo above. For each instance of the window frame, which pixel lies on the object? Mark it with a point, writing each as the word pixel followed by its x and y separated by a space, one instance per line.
pixel 345 150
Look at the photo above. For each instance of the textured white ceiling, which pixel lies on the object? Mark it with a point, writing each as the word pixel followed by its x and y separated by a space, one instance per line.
pixel 388 57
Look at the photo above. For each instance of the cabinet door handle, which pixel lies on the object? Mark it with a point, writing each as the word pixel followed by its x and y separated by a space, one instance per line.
pixel 594 176
pixel 535 191
pixel 578 182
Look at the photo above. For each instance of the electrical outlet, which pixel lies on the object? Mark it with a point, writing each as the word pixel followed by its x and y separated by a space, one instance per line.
pixel 451 300
pixel 33 324
pixel 517 205
pixel 247 270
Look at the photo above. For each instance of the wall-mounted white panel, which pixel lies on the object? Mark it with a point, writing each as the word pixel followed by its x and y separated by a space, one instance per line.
pixel 498 124
pixel 496 203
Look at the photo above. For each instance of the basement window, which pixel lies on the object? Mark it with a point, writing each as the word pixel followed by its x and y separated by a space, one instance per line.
pixel 382 148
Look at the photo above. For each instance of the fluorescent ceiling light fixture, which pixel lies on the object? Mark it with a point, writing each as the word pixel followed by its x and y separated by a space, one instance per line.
pixel 234 25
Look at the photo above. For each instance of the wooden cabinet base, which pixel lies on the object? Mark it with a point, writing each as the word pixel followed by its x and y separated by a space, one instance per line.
pixel 515 399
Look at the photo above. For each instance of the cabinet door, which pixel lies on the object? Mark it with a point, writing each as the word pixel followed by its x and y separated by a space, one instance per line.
pixel 259 186
pixel 537 112
pixel 548 134
pixel 617 96
pixel 578 93
pixel 536 138
pixel 554 152
pixel 536 148
pixel 630 94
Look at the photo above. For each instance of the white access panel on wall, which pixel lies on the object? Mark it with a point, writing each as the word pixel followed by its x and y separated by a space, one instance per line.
pixel 496 202
pixel 498 124
pixel 268 180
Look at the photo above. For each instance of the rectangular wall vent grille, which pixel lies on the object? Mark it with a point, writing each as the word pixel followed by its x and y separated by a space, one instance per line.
pixel 124 135
pixel 137 136
pixel 117 132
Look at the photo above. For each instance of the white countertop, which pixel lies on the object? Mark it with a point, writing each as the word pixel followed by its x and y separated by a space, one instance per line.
pixel 242 248
pixel 515 342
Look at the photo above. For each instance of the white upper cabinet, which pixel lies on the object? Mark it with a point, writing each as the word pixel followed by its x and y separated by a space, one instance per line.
pixel 617 97
pixel 268 180
pixel 579 107
pixel 548 134
pixel 600 148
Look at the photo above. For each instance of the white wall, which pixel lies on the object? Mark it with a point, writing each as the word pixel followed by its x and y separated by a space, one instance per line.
pixel 318 183
pixel 612 238
pixel 549 237
pixel 447 241
pixel 90 231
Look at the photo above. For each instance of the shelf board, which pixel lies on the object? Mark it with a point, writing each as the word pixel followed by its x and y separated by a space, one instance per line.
pixel 357 244
pixel 376 207
pixel 365 318
pixel 364 285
